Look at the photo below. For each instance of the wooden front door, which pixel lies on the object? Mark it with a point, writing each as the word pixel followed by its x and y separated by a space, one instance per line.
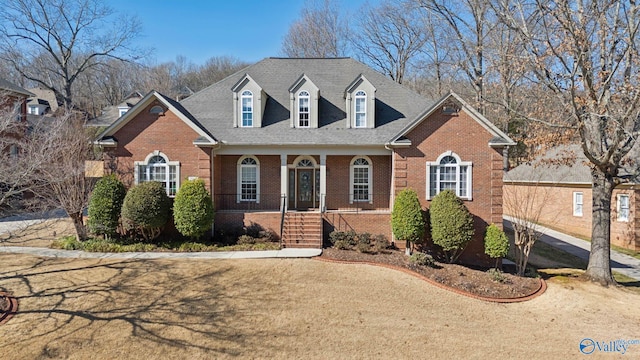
pixel 305 189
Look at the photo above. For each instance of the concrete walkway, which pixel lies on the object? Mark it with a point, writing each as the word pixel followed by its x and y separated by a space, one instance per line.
pixel 284 253
pixel 621 263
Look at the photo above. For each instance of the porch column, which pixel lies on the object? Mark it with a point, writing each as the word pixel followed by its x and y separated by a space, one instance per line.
pixel 323 181
pixel 284 175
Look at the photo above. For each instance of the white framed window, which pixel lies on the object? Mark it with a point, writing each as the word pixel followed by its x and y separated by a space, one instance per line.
pixel 33 109
pixel 303 109
pixel 361 109
pixel 157 167
pixel 361 180
pixel 248 179
pixel 156 110
pixel 122 111
pixel 578 198
pixel 247 108
pixel 623 207
pixel 449 172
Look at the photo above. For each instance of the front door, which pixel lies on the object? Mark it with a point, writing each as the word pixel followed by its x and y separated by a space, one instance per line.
pixel 305 189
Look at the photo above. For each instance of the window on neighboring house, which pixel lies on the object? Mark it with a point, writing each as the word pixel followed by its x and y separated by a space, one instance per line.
pixel 247 109
pixel 248 179
pixel 577 203
pixel 122 111
pixel 449 173
pixel 13 151
pixel 303 109
pixel 361 109
pixel 361 178
pixel 623 207
pixel 158 168
pixel 33 110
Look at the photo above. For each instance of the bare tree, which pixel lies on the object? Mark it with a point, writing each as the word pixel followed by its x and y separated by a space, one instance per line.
pixel 52 42
pixel 586 54
pixel 470 22
pixel 319 33
pixel 389 37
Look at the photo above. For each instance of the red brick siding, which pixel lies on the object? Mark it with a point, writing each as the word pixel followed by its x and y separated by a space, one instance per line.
pixel 338 183
pixel 226 181
pixel 469 140
pixel 373 223
pixel 166 133
pixel 555 207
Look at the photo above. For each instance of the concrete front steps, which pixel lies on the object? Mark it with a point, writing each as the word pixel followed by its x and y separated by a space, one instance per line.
pixel 302 230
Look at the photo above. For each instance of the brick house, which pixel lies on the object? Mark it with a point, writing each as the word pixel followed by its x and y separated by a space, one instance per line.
pixel 326 142
pixel 561 181
pixel 14 99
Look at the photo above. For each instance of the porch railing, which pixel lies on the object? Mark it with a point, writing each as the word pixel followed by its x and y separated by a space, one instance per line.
pixel 349 202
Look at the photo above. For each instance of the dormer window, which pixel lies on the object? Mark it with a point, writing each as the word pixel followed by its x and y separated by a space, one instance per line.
pixel 303 109
pixel 249 101
pixel 361 109
pixel 122 111
pixel 360 98
pixel 247 109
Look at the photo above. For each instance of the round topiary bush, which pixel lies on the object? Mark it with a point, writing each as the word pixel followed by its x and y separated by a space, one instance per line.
pixel 193 209
pixel 451 224
pixel 146 209
pixel 496 243
pixel 407 221
pixel 105 205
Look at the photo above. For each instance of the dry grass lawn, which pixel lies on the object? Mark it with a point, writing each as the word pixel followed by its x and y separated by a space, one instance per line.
pixel 284 308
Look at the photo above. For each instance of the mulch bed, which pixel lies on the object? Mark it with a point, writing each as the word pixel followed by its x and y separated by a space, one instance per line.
pixel 465 280
pixel 8 307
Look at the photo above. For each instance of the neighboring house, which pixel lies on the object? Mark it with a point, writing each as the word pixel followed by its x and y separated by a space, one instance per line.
pixel 14 98
pixel 323 141
pixel 559 187
pixel 43 102
pixel 112 113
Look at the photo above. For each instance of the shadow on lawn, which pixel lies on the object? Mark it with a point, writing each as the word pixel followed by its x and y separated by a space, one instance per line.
pixel 142 301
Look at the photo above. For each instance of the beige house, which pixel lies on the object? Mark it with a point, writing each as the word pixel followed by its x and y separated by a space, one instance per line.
pixel 555 190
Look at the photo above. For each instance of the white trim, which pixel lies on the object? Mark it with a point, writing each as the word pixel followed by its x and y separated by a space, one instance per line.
pixel 356 97
pixel 578 211
pixel 458 166
pixel 619 208
pixel 239 179
pixel 297 160
pixel 331 150
pixel 369 168
pixel 299 98
pixel 168 164
pixel 244 96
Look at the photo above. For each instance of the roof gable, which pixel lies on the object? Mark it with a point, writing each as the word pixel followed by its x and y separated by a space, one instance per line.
pixel 499 138
pixel 204 138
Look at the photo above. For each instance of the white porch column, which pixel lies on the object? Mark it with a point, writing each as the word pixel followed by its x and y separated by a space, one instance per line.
pixel 323 181
pixel 284 176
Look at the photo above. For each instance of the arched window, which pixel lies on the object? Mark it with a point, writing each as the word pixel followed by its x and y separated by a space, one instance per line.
pixel 157 167
pixel 361 180
pixel 248 179
pixel 303 109
pixel 361 109
pixel 449 173
pixel 247 108
pixel 156 110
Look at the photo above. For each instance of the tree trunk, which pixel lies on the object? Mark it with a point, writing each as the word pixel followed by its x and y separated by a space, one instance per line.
pixel 599 268
pixel 78 224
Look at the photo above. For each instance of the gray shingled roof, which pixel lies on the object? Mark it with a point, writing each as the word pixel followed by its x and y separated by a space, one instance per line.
pixel 542 169
pixel 111 113
pixel 395 105
pixel 9 86
pixel 566 164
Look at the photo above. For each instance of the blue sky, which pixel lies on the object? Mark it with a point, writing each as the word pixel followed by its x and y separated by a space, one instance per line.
pixel 249 30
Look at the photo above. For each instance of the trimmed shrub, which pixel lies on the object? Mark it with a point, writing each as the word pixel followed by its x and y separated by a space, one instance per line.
pixel 496 243
pixel 381 243
pixel 193 209
pixel 344 237
pixel 451 224
pixel 105 206
pixel 146 209
pixel 421 259
pixel 407 220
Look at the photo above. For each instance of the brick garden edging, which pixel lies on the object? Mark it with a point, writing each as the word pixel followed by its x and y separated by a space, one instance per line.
pixel 13 308
pixel 535 294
